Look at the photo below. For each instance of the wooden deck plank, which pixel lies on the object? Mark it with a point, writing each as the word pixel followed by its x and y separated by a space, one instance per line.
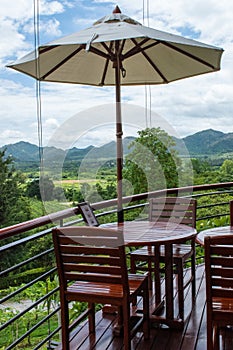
pixel 193 323
pixel 192 337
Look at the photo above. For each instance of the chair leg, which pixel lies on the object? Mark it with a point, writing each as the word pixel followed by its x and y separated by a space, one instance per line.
pixel 209 332
pixel 127 330
pixel 146 318
pixel 91 317
pixel 133 271
pixel 216 337
pixel 180 277
pixel 65 323
pixel 157 282
pixel 193 271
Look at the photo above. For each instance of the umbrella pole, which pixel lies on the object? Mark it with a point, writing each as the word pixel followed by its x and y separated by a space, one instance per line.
pixel 119 133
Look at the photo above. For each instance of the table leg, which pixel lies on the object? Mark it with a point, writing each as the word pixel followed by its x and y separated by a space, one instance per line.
pixel 168 319
pixel 169 281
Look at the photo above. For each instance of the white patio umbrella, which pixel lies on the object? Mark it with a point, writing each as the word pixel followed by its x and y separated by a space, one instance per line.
pixel 118 50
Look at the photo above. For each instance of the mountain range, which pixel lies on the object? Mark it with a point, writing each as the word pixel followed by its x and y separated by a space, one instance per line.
pixel 204 143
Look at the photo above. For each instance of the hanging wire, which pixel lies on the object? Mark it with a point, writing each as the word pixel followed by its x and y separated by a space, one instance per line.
pixel 39 115
pixel 146 9
pixel 146 114
pixel 150 116
pixel 149 87
pixel 38 87
pixel 143 12
pixel 148 12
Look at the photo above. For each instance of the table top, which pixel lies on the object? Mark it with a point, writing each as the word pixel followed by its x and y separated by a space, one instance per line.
pixel 215 231
pixel 139 233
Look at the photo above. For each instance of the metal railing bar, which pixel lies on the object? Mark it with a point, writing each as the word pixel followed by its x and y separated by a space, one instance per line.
pixel 25 262
pixel 48 219
pixel 212 216
pixel 25 240
pixel 212 205
pixel 17 341
pixel 39 301
pixel 212 193
pixel 38 222
pixel 55 331
pixel 27 285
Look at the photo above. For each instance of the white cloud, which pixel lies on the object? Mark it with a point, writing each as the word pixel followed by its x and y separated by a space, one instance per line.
pixel 188 105
pixel 50 7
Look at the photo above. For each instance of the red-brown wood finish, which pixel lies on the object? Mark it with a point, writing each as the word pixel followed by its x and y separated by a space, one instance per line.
pixel 176 210
pixel 219 286
pixel 92 268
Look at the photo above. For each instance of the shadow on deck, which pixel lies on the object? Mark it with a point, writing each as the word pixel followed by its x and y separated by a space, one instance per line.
pixel 193 336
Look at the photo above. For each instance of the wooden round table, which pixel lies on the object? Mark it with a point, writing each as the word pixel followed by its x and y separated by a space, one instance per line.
pixel 215 231
pixel 139 233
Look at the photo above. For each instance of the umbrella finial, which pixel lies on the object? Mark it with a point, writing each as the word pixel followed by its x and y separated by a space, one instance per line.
pixel 116 10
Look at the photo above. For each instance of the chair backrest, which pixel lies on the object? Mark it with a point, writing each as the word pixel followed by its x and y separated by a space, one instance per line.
pixel 88 214
pixel 219 268
pixel 231 212
pixel 90 254
pixel 174 209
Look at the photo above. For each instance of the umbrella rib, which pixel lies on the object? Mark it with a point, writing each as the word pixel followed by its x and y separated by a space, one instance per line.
pixel 109 50
pixel 47 48
pixel 137 48
pixel 99 52
pixel 122 46
pixel 61 63
pixel 189 55
pixel 152 63
pixel 104 72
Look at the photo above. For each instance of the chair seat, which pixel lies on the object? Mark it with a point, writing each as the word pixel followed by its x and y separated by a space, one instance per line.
pixel 103 290
pixel 223 304
pixel 183 251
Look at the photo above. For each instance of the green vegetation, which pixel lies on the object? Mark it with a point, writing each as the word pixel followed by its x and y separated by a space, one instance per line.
pixel 153 156
pixel 14 206
pixel 153 163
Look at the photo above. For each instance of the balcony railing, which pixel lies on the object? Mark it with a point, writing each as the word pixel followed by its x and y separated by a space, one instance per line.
pixel 29 299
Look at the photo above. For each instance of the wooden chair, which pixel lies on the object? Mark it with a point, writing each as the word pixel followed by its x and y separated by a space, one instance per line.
pixel 92 268
pixel 181 211
pixel 219 286
pixel 231 212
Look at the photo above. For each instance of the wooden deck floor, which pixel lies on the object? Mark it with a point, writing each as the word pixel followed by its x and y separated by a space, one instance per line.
pixel 193 336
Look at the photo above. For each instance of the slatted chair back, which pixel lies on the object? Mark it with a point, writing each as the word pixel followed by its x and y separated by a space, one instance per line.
pixel 174 209
pixel 219 285
pixel 87 254
pixel 92 268
pixel 231 213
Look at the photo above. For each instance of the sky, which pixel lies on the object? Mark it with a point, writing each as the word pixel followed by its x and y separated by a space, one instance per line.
pixel 183 107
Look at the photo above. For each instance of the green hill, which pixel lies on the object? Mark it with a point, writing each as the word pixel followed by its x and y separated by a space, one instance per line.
pixel 204 143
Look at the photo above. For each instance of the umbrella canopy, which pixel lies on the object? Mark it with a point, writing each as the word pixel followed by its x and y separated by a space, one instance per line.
pixel 118 50
pixel 147 55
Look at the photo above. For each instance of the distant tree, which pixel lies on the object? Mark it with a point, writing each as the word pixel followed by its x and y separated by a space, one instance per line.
pixel 153 163
pixel 41 189
pixel 226 171
pixel 108 191
pixel 33 189
pixel 14 206
pixel 200 166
